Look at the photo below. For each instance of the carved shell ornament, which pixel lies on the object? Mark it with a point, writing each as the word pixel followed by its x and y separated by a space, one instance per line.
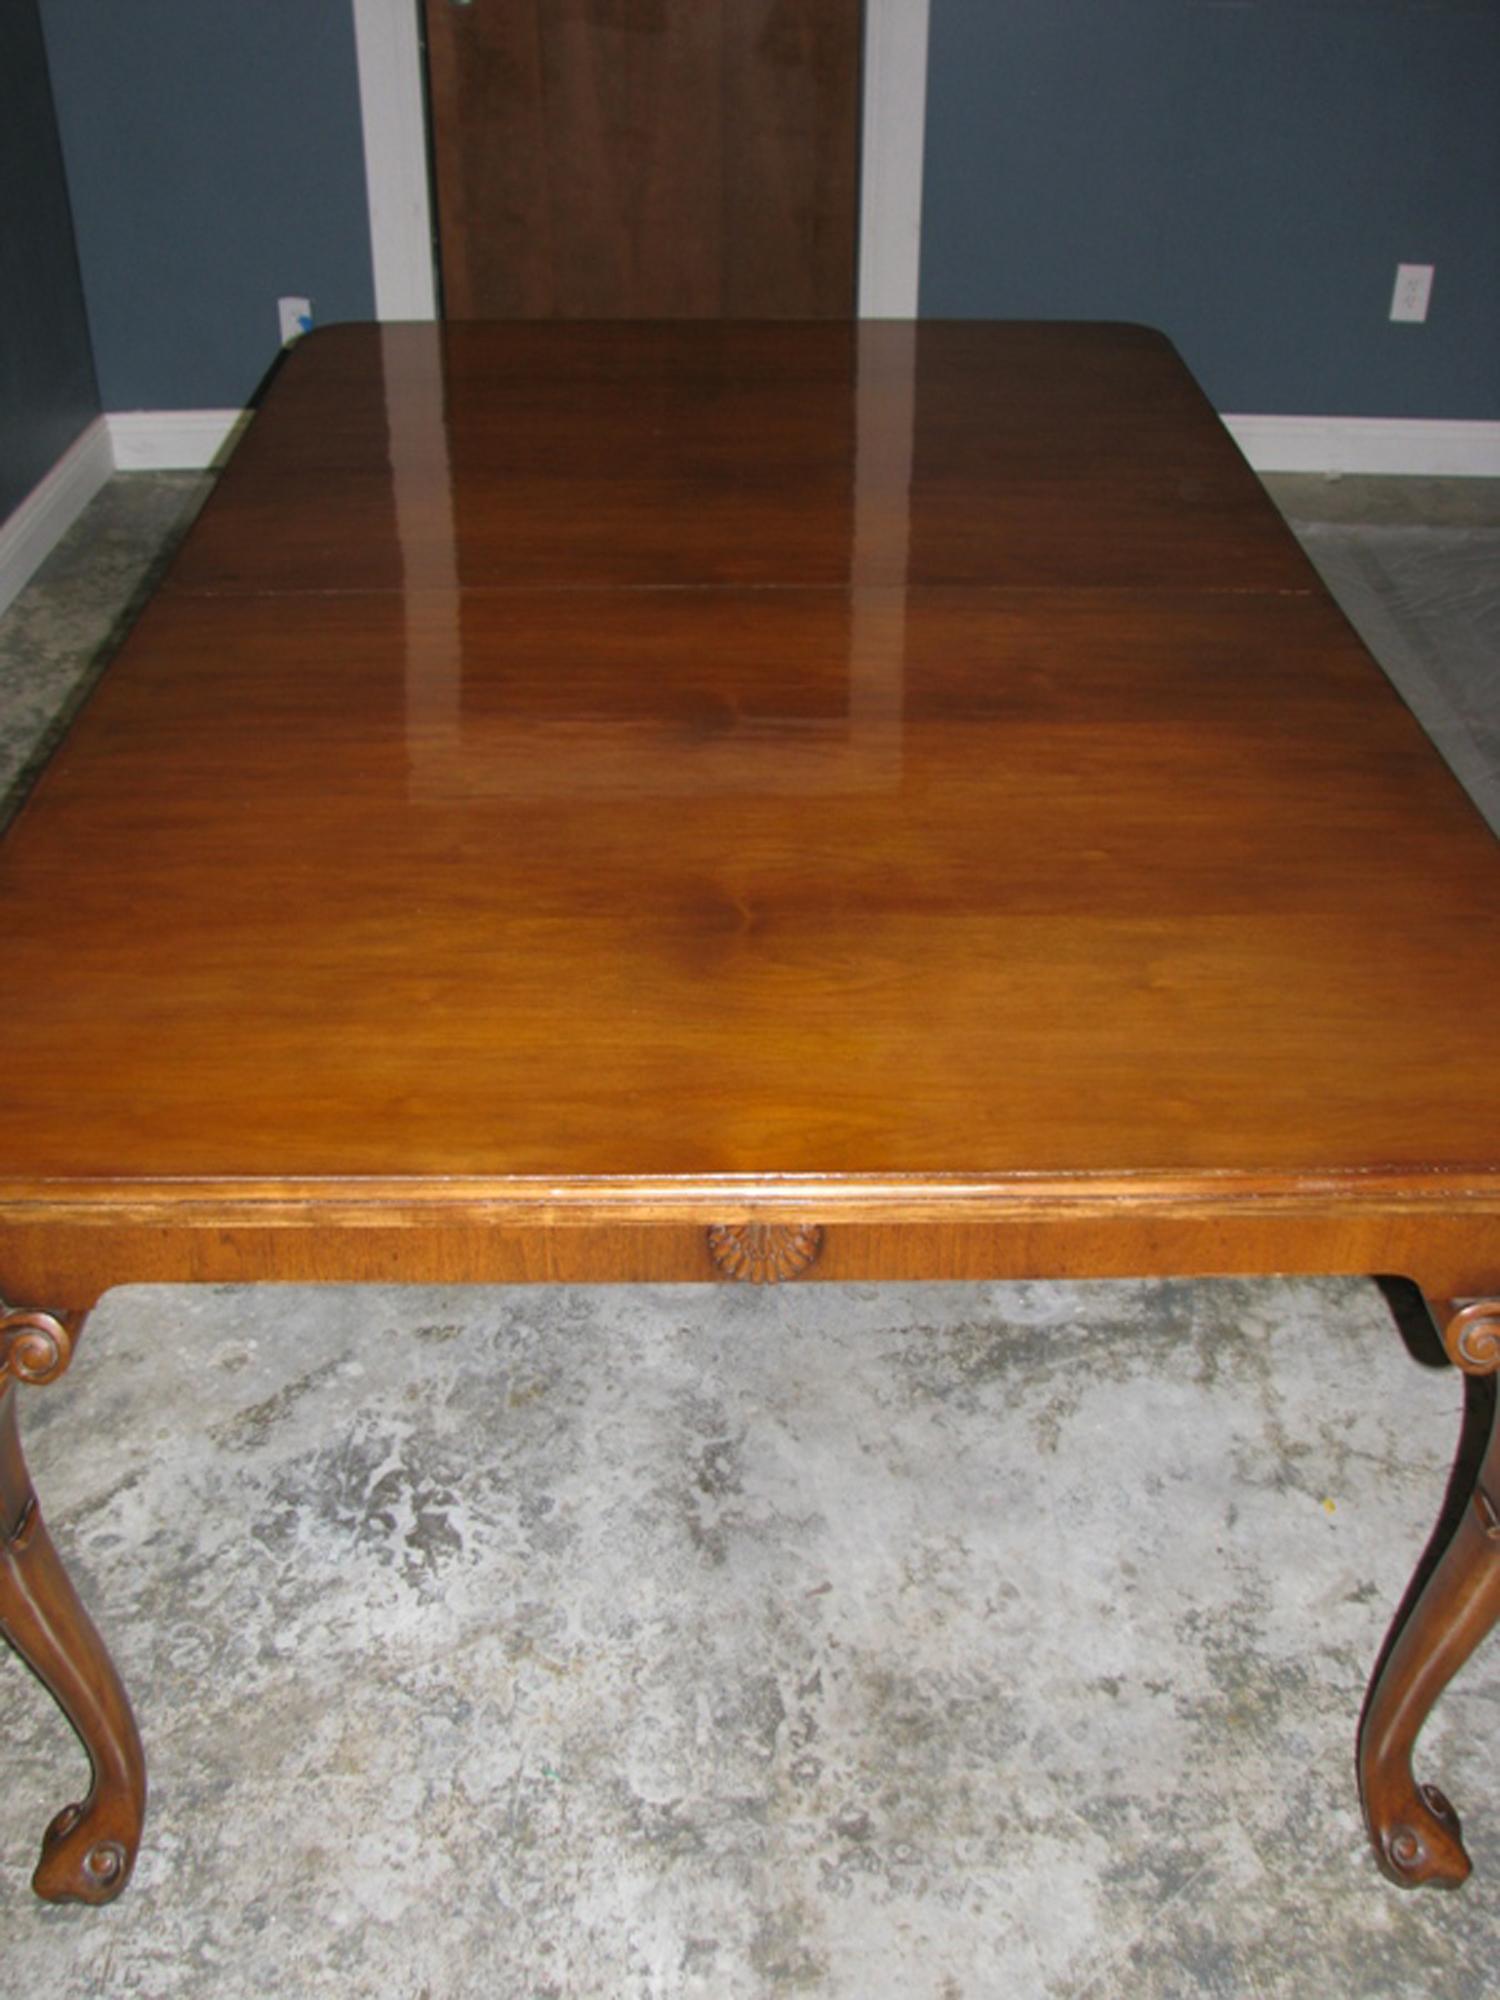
pixel 764 1253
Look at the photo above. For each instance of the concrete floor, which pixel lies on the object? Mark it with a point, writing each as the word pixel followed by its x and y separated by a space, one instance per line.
pixel 932 1642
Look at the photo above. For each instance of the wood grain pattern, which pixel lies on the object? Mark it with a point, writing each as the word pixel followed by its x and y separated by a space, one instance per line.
pixel 994 828
pixel 53 1254
pixel 876 455
pixel 582 787
pixel 627 159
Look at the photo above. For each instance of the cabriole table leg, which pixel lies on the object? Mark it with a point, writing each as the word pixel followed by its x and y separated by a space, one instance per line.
pixel 1414 1829
pixel 89 1849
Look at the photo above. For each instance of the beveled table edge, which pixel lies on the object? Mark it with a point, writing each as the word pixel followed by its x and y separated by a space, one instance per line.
pixel 939 1198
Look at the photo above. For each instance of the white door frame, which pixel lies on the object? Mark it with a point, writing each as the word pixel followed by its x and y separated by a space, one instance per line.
pixel 890 193
pixel 394 119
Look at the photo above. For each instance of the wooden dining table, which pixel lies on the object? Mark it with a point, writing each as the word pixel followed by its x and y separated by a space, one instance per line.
pixel 755 802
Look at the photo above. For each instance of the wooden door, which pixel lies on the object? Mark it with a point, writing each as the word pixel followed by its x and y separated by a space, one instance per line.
pixel 639 159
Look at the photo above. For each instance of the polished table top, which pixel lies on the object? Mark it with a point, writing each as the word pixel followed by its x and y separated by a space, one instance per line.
pixel 732 758
pixel 632 802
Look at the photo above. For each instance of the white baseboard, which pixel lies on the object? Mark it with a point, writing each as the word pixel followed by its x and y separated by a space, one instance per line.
pixel 173 440
pixel 29 534
pixel 127 441
pixel 1414 446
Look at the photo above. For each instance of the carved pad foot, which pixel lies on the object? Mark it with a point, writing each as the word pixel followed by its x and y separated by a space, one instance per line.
pixel 81 1861
pixel 1422 1842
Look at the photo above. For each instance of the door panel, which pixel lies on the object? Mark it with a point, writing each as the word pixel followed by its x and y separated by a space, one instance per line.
pixel 646 158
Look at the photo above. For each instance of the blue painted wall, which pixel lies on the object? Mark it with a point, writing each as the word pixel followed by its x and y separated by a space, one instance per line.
pixel 47 389
pixel 215 162
pixel 1245 174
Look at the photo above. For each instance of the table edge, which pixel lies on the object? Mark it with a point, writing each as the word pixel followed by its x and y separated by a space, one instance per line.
pixel 560 1201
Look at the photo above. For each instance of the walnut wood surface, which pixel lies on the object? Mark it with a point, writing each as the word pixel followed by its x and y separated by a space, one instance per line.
pixel 627 158
pixel 876 454
pixel 613 802
pixel 605 775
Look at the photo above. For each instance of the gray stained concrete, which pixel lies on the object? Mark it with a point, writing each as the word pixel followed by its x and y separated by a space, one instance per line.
pixel 913 1641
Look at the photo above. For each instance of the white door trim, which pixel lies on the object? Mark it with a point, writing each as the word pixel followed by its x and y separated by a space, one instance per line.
pixel 393 114
pixel 890 200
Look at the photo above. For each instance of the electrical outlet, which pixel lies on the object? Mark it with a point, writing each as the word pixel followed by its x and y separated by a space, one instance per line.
pixel 296 319
pixel 1413 290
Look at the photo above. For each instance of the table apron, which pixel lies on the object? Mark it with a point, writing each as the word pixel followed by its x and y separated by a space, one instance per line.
pixel 71 1263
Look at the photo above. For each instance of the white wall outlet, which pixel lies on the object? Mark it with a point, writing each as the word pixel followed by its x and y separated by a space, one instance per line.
pixel 296 319
pixel 1413 290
